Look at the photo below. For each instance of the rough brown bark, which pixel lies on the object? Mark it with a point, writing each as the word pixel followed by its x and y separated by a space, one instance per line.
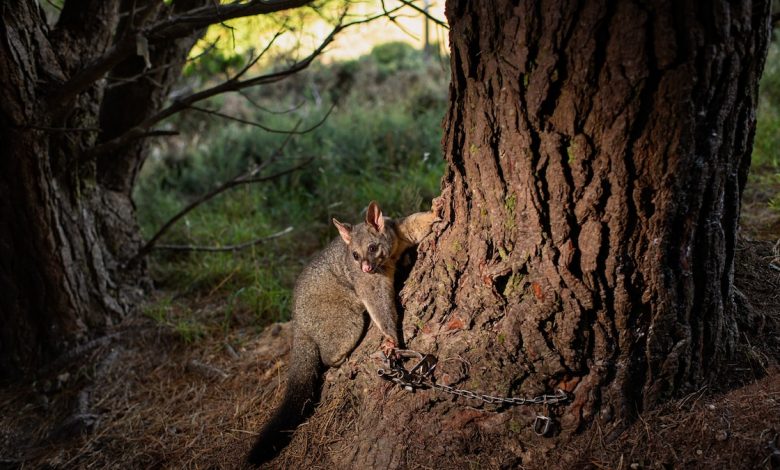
pixel 595 171
pixel 69 222
pixel 138 97
pixel 55 280
pixel 596 156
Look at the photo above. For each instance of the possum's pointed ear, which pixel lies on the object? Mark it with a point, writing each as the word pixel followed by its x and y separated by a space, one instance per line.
pixel 345 230
pixel 374 217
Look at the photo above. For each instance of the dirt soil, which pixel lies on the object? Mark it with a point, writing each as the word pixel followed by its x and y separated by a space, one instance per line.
pixel 144 397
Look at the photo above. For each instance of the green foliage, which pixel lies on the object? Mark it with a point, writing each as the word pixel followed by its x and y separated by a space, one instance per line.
pixel 767 140
pixel 770 80
pixel 393 57
pixel 763 190
pixel 766 147
pixel 158 311
pixel 215 62
pixel 381 142
pixel 189 330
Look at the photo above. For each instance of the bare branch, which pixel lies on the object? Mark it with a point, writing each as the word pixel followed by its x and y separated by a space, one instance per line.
pixel 266 110
pixel 158 133
pixel 237 247
pixel 393 19
pixel 412 5
pixel 229 85
pixel 257 124
pixel 252 62
pixel 186 23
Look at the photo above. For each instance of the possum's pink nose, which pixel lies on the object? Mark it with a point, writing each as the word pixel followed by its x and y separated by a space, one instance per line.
pixel 367 268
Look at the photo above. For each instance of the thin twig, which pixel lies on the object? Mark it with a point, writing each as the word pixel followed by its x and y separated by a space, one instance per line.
pixel 59 129
pixel 261 126
pixel 411 4
pixel 393 19
pixel 267 110
pixel 252 62
pixel 237 247
pixel 158 133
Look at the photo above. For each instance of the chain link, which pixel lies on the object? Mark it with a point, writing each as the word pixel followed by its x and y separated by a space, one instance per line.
pixel 559 397
pixel 421 376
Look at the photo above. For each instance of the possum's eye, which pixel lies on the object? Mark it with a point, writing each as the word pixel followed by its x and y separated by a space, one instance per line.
pixel 372 248
pixel 355 255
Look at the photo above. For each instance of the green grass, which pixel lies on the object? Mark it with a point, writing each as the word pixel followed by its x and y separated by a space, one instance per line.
pixel 381 142
pixel 767 143
pixel 176 316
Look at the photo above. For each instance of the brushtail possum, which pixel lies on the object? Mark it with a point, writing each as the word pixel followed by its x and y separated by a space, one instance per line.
pixel 352 276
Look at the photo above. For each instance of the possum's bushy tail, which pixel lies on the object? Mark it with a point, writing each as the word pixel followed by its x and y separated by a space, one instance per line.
pixel 303 389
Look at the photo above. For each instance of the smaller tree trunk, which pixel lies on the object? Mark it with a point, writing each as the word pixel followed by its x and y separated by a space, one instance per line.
pixel 133 94
pixel 72 228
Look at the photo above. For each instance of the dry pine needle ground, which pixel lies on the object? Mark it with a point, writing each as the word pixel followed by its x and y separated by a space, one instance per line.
pixel 144 398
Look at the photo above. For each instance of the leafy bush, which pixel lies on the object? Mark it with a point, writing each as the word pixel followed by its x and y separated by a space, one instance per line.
pixel 393 57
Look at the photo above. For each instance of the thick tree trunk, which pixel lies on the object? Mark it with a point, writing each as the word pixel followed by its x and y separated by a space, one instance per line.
pixel 597 152
pixel 69 227
pixel 596 163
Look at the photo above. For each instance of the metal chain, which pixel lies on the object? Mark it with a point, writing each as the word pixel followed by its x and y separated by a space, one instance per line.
pixel 421 376
pixel 559 397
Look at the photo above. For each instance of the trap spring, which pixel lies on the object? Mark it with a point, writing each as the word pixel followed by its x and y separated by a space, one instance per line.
pixel 421 376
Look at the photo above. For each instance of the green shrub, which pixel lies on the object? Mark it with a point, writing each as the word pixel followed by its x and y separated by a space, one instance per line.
pixel 393 57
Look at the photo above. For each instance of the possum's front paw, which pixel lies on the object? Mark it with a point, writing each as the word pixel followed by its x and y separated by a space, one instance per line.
pixel 388 347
